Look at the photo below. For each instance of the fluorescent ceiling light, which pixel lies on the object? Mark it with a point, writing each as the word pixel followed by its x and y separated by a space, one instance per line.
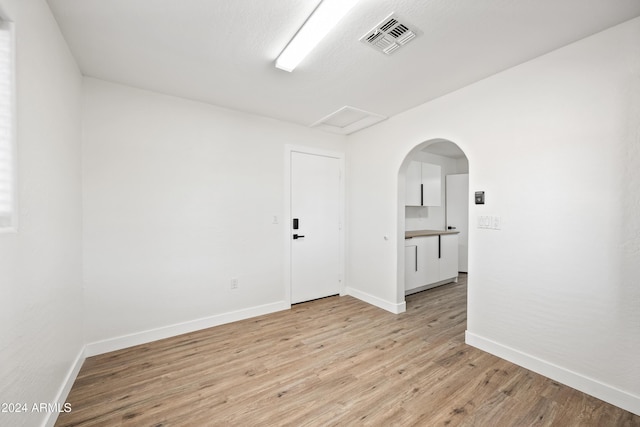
pixel 322 20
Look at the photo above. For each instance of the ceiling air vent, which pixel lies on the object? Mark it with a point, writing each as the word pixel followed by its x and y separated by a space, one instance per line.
pixel 390 35
pixel 347 120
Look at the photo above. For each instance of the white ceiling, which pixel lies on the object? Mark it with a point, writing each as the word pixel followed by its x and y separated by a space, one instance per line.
pixel 445 149
pixel 222 51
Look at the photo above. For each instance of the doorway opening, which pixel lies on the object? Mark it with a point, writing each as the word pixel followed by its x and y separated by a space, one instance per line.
pixel 433 217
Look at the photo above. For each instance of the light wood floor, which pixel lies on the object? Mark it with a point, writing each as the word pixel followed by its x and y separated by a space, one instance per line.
pixel 334 361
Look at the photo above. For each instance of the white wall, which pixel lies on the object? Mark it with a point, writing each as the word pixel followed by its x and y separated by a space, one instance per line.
pixel 40 265
pixel 557 288
pixel 178 198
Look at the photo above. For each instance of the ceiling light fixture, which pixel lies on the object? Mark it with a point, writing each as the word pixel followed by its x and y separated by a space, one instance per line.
pixel 322 20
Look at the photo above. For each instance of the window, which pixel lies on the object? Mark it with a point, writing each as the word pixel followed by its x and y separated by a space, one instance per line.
pixel 7 134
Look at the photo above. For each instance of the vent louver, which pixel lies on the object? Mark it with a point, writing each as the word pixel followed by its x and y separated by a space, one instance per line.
pixel 390 34
pixel 390 23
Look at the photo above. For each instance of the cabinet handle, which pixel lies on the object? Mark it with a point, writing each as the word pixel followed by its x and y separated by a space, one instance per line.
pixel 439 246
pixel 421 194
pixel 416 264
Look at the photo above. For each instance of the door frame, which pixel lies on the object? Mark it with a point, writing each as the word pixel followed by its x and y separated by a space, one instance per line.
pixel 404 166
pixel 287 219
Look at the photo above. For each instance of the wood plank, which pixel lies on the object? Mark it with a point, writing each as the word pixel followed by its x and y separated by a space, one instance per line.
pixel 334 361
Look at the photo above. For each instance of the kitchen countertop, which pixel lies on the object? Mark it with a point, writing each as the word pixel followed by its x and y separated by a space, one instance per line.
pixel 420 233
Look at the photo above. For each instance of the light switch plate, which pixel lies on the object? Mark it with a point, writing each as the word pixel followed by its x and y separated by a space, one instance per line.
pixel 490 222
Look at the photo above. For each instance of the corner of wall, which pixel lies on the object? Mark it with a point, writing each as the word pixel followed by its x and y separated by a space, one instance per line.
pixel 395 308
pixel 65 388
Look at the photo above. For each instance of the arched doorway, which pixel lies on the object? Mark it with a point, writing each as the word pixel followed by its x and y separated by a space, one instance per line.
pixel 433 196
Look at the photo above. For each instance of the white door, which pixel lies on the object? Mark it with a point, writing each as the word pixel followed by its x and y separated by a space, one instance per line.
pixel 457 195
pixel 315 211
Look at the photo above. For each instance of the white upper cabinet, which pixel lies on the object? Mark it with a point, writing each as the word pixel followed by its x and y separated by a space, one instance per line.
pixel 431 185
pixel 413 184
pixel 423 184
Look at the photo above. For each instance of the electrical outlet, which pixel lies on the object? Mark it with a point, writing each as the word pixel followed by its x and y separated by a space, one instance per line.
pixel 234 283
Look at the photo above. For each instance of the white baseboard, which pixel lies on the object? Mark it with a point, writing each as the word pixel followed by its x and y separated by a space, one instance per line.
pixel 118 343
pixel 431 286
pixel 378 302
pixel 602 391
pixel 63 393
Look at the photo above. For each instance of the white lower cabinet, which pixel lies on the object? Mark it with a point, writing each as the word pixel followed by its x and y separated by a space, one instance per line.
pixel 448 256
pixel 411 276
pixel 430 260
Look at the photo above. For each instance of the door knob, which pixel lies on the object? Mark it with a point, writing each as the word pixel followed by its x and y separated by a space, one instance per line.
pixel 297 236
